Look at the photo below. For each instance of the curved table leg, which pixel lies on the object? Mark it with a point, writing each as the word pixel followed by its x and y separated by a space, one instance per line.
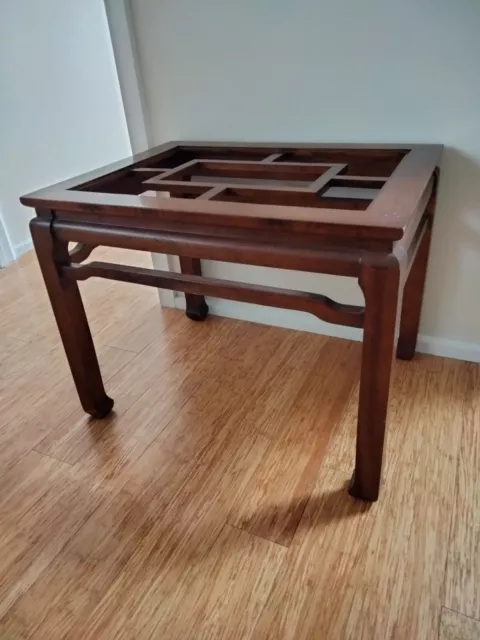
pixel 71 320
pixel 412 299
pixel 197 308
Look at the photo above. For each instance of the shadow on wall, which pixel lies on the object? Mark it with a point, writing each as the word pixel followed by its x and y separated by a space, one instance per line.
pixel 455 255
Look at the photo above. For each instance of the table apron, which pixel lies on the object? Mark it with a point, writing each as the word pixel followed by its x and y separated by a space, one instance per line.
pixel 242 251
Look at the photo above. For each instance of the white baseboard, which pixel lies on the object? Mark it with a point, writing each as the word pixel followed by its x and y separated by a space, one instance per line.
pixel 459 350
pixel 6 249
pixel 22 248
pixel 456 349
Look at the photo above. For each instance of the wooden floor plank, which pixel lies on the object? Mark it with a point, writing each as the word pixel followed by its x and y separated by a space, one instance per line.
pixel 226 591
pixel 163 521
pixel 142 593
pixel 405 569
pixel 34 407
pixel 125 387
pixel 72 585
pixel 454 626
pixel 271 388
pixel 24 484
pixel 31 543
pixel 427 399
pixel 462 581
pixel 272 504
pixel 142 330
pixel 147 393
pixel 314 588
pixel 209 407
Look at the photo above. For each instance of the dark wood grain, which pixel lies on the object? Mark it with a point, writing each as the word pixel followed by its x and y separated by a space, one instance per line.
pixel 240 248
pixel 71 320
pixel 192 283
pixel 80 252
pixel 413 297
pixel 380 288
pixel 386 218
pixel 196 307
pixel 259 204
pixel 416 263
pixel 287 195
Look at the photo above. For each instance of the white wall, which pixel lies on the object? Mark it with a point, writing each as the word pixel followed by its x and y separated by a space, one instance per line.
pixel 129 74
pixel 61 111
pixel 6 249
pixel 378 70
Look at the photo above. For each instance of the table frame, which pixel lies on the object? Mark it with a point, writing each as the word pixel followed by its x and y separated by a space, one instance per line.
pixel 385 245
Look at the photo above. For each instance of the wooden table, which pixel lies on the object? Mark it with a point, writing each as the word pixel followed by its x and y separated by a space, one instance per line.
pixel 363 211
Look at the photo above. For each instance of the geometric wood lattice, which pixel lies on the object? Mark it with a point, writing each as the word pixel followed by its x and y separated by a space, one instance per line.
pixel 364 211
pixel 333 179
pixel 358 195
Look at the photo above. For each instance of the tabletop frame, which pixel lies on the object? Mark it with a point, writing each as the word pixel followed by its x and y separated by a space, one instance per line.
pixel 276 205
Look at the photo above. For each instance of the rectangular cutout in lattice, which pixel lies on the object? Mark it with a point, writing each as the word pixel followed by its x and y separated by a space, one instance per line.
pixel 307 188
pixel 329 178
pixel 211 170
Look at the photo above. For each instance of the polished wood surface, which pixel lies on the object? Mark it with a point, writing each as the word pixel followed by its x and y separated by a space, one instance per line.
pixel 72 322
pixel 212 502
pixel 319 305
pixel 286 206
pixel 196 307
pixel 409 170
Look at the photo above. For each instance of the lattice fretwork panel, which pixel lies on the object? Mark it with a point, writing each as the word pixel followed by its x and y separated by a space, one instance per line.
pixel 324 178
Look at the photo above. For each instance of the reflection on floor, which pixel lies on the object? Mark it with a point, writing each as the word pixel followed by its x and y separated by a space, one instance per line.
pixel 212 504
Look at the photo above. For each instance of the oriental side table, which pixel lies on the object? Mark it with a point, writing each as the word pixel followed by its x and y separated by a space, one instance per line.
pixel 364 211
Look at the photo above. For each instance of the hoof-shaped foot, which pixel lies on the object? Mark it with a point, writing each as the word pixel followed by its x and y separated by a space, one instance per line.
pixel 405 351
pixel 369 494
pixel 101 409
pixel 197 313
